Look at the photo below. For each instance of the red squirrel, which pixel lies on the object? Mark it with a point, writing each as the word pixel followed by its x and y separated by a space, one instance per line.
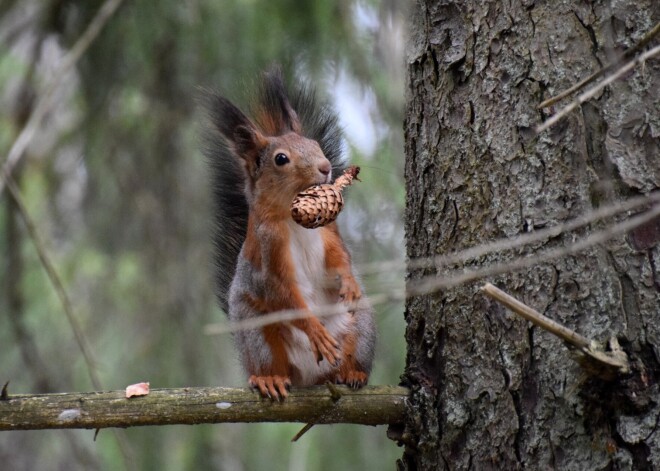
pixel 265 262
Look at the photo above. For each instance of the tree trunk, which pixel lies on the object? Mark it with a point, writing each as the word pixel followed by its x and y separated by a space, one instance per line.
pixel 490 391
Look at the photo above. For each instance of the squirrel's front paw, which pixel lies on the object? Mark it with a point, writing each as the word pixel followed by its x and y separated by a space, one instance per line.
pixel 323 344
pixel 273 387
pixel 349 291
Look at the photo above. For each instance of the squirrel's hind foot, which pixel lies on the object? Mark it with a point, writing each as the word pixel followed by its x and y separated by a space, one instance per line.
pixel 352 378
pixel 275 388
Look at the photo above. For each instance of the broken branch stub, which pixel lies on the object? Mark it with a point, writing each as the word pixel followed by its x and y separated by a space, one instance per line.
pixel 593 358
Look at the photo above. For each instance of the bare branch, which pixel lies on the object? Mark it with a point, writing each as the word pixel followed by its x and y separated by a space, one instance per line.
pixel 596 88
pixel 81 340
pixel 302 432
pixel 371 405
pixel 510 243
pixel 535 317
pixel 537 235
pixel 288 315
pixel 432 284
pixel 595 361
pixel 56 281
pixel 335 395
pixel 17 150
pixel 626 55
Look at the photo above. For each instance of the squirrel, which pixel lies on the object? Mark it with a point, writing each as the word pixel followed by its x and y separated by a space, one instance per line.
pixel 265 262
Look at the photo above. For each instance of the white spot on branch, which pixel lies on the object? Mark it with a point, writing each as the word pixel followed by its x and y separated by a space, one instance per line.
pixel 69 415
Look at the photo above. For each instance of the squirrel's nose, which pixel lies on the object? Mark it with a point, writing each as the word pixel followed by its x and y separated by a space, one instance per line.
pixel 325 168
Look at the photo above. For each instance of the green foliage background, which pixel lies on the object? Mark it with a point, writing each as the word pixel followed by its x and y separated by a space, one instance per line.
pixel 117 184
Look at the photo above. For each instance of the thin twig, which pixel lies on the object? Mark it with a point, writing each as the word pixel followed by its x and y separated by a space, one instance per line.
pixel 335 395
pixel 625 56
pixel 536 235
pixel 595 89
pixel 535 317
pixel 510 243
pixel 46 100
pixel 120 436
pixel 56 281
pixel 432 284
pixel 595 361
pixel 288 315
pixel 17 150
pixel 302 432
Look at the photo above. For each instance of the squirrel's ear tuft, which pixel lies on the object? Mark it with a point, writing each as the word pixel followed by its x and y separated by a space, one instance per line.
pixel 274 113
pixel 248 142
pixel 226 116
pixel 240 133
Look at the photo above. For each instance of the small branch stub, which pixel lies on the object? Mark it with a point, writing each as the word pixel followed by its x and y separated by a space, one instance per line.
pixel 591 357
pixel 335 394
pixel 319 205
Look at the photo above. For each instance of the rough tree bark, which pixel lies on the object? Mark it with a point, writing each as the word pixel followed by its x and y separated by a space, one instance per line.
pixel 488 390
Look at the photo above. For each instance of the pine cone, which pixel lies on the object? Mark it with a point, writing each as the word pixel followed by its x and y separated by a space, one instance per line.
pixel 320 204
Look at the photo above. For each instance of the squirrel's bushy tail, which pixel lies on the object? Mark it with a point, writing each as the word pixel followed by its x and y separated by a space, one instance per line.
pixel 272 105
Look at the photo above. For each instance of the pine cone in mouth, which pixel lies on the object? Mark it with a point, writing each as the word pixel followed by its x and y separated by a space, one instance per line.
pixel 319 205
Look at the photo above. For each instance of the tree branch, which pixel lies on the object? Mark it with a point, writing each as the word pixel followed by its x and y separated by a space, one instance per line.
pixel 56 281
pixel 626 55
pixel 589 94
pixel 432 284
pixel 607 365
pixel 567 335
pixel 371 405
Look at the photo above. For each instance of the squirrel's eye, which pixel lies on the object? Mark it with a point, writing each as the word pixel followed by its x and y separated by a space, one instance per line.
pixel 281 159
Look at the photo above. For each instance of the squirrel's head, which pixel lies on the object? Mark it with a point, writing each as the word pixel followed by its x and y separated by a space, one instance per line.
pixel 278 160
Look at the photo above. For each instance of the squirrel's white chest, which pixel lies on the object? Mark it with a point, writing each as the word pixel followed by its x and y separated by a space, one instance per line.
pixel 308 257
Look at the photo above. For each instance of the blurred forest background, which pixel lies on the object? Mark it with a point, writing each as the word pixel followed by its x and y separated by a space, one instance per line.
pixel 117 186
